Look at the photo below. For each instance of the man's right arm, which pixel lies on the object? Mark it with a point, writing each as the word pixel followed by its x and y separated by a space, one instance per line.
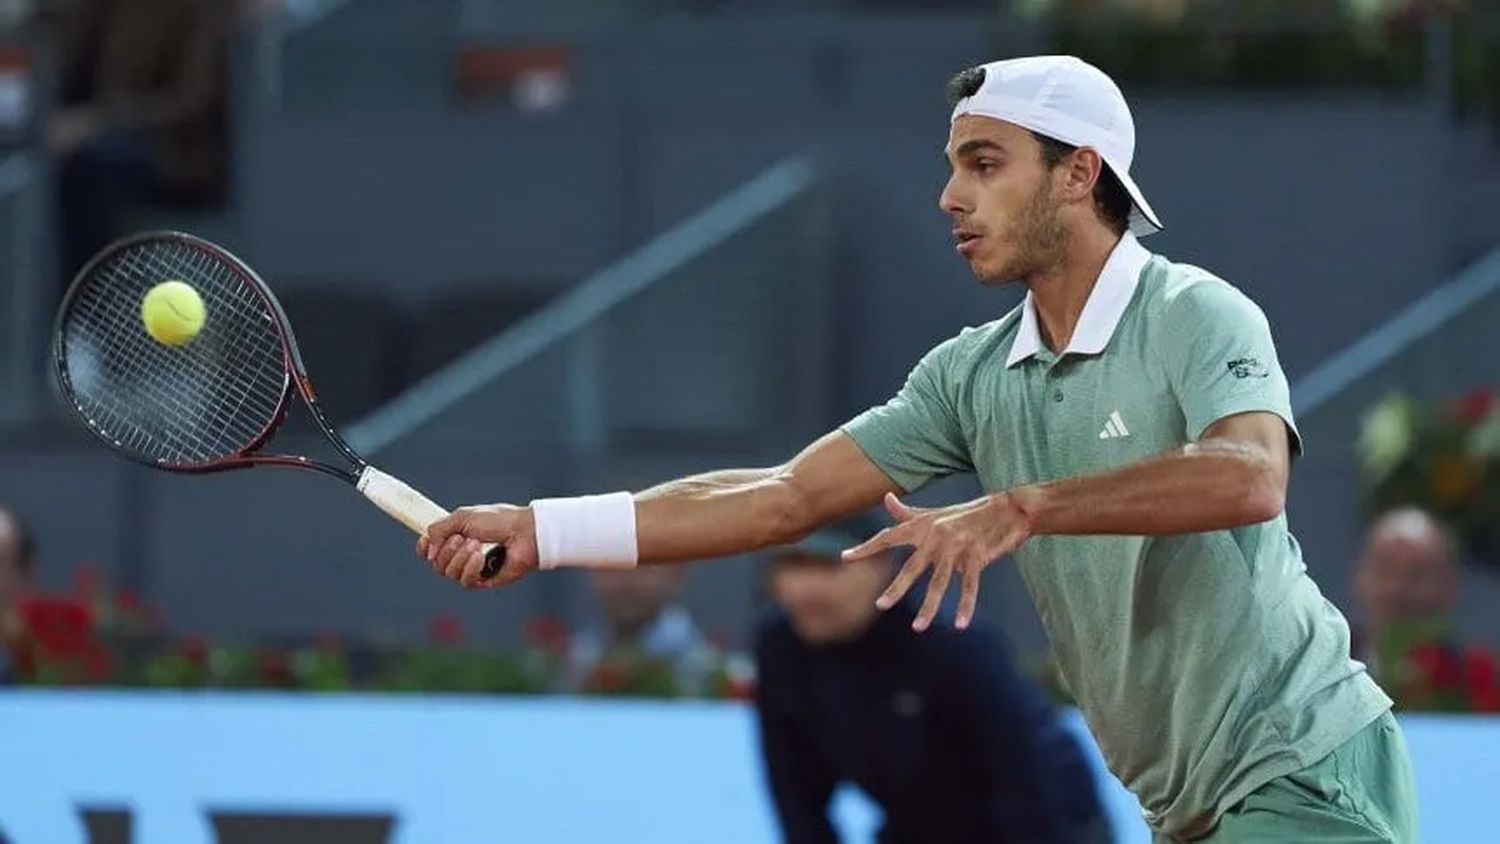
pixel 739 510
pixel 711 515
pixel 893 448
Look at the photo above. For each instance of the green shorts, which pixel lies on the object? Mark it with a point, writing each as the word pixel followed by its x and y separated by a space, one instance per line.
pixel 1361 792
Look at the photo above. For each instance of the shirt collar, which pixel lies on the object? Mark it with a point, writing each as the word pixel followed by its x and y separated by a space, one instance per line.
pixel 1101 313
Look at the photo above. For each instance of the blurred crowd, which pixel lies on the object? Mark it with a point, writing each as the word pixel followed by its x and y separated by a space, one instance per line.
pixel 139 118
pixel 843 693
pixel 139 113
pixel 642 638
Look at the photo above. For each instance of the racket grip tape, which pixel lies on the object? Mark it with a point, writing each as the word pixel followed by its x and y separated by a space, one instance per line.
pixel 415 510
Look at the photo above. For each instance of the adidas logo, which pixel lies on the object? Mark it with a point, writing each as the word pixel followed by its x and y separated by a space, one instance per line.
pixel 1114 428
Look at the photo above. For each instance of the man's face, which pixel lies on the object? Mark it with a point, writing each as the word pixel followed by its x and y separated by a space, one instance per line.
pixel 633 598
pixel 1406 577
pixel 828 602
pixel 1006 221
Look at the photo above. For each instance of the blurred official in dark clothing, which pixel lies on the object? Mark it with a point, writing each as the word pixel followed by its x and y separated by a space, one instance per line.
pixel 938 728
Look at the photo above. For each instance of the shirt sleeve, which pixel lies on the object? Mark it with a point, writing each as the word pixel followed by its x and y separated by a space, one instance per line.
pixel 800 779
pixel 1221 360
pixel 915 437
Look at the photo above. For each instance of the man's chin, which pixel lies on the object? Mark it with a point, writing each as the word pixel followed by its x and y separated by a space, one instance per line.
pixel 990 276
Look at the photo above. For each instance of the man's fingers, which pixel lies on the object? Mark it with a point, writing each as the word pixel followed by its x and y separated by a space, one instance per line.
pixel 450 560
pixel 901 510
pixel 438 533
pixel 968 596
pixel 473 564
pixel 908 575
pixel 936 588
pixel 883 541
pixel 896 508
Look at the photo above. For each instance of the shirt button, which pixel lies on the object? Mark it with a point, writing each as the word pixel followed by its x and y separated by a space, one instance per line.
pixel 1057 395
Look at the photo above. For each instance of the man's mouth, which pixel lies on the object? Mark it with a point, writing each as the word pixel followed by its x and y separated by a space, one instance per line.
pixel 966 241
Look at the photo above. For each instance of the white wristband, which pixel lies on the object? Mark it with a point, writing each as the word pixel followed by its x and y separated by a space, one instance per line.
pixel 593 531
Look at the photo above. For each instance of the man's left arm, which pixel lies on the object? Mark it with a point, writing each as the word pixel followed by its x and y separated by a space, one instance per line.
pixel 1235 475
pixel 1216 353
pixel 1221 364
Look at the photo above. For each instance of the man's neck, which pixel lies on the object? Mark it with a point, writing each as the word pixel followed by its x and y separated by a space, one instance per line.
pixel 1059 293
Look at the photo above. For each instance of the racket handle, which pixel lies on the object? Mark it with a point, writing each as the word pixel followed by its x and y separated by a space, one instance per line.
pixel 415 510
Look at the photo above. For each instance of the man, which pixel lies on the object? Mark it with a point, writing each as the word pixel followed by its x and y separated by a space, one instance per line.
pixel 1407 577
pixel 938 729
pixel 1407 584
pixel 1132 426
pixel 17 551
pixel 142 114
pixel 643 621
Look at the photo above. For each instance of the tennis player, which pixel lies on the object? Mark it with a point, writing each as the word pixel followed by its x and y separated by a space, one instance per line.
pixel 1132 426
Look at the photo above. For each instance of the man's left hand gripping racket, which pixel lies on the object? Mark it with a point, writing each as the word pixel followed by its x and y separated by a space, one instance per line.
pixel 209 402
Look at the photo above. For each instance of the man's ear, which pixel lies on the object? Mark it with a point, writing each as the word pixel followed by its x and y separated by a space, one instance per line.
pixel 1080 173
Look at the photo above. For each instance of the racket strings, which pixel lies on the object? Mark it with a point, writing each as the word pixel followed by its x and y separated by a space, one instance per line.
pixel 164 395
pixel 207 399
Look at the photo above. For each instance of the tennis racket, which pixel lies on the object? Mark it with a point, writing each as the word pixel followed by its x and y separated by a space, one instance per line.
pixel 212 403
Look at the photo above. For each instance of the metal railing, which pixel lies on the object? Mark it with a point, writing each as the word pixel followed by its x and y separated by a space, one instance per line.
pixel 712 336
pixel 1443 343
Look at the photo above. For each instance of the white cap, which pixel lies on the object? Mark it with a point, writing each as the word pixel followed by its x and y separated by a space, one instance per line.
pixel 1068 100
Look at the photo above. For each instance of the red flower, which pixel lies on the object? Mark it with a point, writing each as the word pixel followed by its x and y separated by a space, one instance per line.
pixel 547 633
pixel 1485 700
pixel 275 669
pixel 1440 666
pixel 196 650
pixel 1474 407
pixel 97 662
pixel 608 678
pixel 1480 670
pixel 446 629
pixel 86 581
pixel 59 627
pixel 741 689
pixel 129 602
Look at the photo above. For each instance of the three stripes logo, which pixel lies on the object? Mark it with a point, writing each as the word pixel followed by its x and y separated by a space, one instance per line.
pixel 1114 428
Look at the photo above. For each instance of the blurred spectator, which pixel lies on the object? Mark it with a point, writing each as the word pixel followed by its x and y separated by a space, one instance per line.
pixel 643 629
pixel 1406 582
pixel 937 728
pixel 17 552
pixel 141 117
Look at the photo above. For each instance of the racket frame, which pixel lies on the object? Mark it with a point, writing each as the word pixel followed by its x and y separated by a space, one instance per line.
pixel 296 378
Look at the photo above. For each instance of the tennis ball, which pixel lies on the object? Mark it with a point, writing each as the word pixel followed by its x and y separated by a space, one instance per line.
pixel 173 312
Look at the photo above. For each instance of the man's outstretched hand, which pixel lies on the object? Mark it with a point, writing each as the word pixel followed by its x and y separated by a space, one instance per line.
pixel 452 546
pixel 964 538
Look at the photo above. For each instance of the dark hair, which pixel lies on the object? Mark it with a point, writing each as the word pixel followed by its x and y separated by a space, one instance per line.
pixel 1111 201
pixel 964 84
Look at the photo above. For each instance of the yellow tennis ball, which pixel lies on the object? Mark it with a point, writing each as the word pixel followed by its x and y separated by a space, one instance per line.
pixel 173 312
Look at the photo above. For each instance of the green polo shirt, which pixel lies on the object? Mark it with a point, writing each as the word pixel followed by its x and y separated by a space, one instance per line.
pixel 1206 664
